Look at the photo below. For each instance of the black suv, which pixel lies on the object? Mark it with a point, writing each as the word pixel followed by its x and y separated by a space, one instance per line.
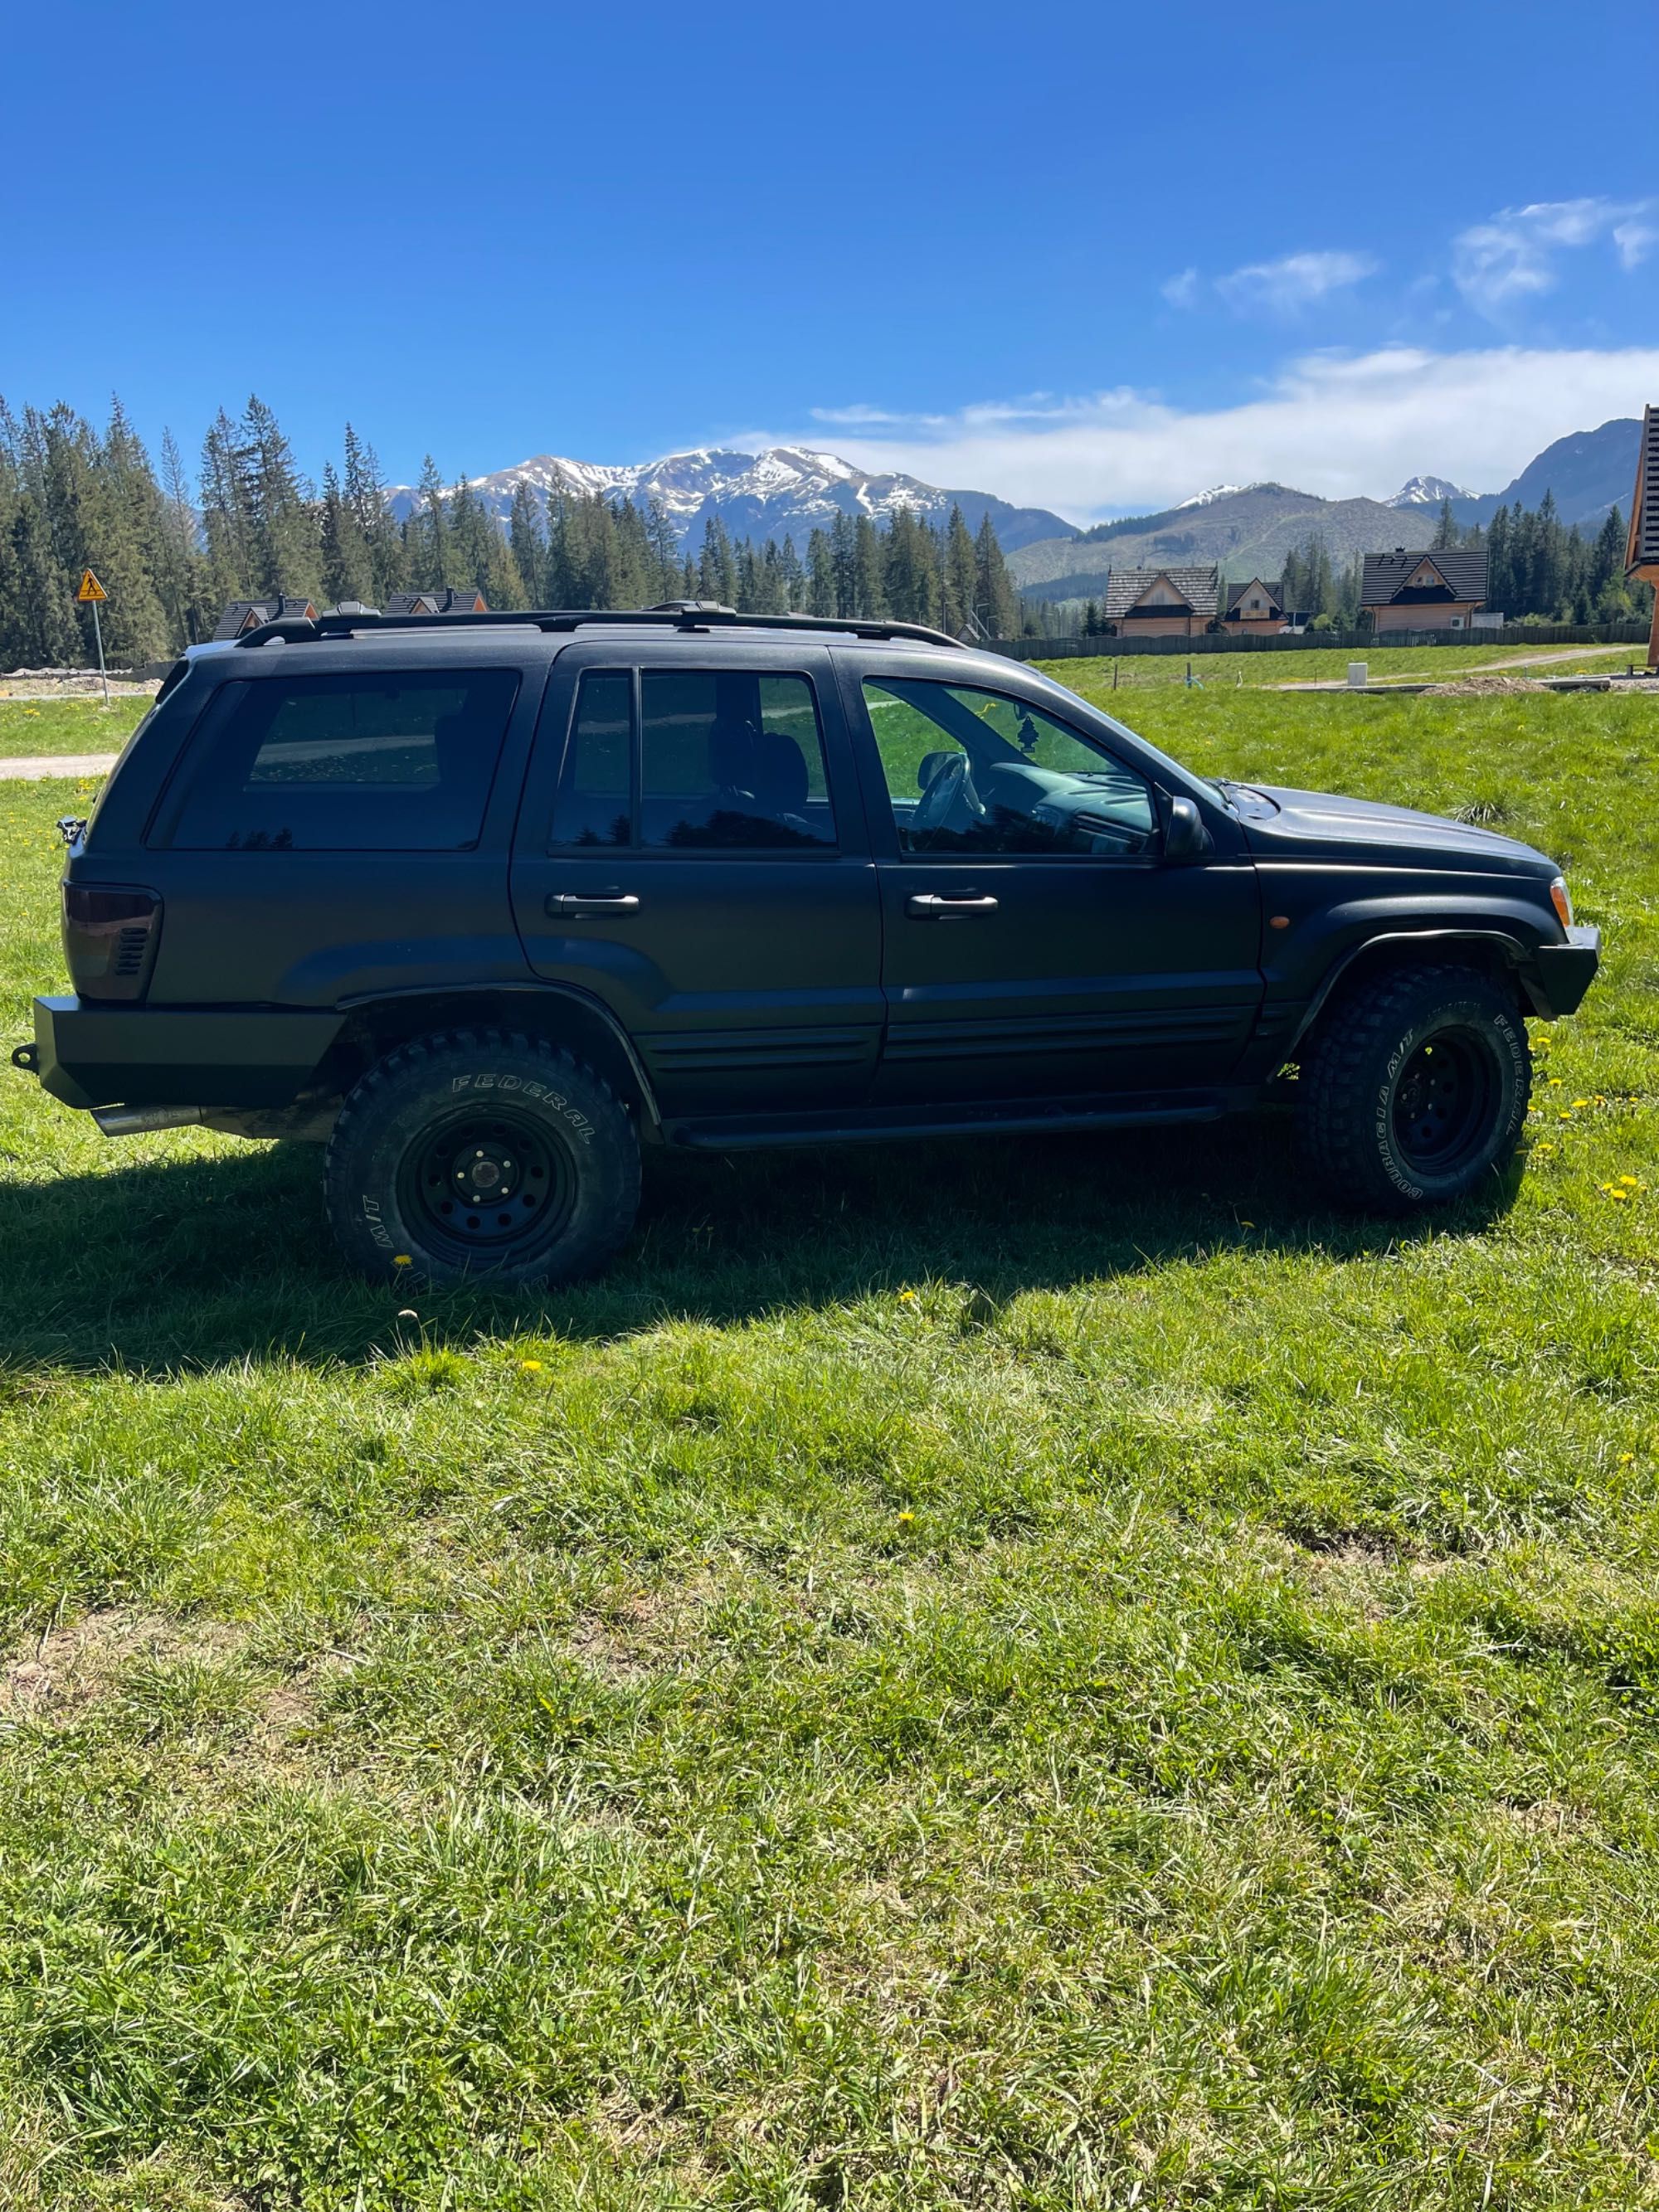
pixel 487 903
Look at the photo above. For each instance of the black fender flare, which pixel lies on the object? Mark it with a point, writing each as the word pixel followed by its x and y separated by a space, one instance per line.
pixel 452 998
pixel 1516 954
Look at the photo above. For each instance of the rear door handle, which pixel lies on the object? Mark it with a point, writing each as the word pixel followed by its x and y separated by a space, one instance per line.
pixel 565 906
pixel 926 906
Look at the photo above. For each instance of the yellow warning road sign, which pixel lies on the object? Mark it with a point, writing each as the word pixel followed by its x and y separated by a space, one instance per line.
pixel 90 587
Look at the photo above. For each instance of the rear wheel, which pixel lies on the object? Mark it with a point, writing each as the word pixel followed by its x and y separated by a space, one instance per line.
pixel 476 1153
pixel 1415 1091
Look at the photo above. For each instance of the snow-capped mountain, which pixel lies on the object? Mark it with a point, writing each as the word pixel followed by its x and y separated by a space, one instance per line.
pixel 1428 491
pixel 787 490
pixel 1208 498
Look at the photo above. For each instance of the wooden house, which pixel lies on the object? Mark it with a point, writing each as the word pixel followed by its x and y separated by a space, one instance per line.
pixel 450 600
pixel 1162 602
pixel 1422 590
pixel 1255 608
pixel 243 615
pixel 1642 547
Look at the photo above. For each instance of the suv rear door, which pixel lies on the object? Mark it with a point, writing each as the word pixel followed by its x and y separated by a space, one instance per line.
pixel 1036 941
pixel 692 849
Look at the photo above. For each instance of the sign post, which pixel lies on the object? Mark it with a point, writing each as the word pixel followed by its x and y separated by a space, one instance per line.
pixel 93 594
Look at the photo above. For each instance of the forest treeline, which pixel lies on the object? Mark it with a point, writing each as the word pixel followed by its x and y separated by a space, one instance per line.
pixel 172 550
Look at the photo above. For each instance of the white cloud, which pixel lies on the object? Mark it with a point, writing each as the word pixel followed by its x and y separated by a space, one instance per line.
pixel 1281 287
pixel 1181 291
pixel 1343 426
pixel 1513 255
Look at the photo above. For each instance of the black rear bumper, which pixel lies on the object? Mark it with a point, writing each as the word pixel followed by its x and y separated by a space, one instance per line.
pixel 1565 972
pixel 93 1055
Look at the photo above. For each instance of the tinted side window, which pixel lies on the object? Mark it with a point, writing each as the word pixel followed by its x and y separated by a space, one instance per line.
pixel 389 762
pixel 971 771
pixel 595 804
pixel 731 760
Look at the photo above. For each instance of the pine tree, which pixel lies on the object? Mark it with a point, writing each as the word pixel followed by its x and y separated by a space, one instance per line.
pixel 46 634
pixel 664 550
pixel 130 528
pixel 869 572
pixel 995 601
pixel 792 578
pixel 843 554
pixel 961 585
pixel 717 572
pixel 286 532
pixel 820 575
pixel 183 582
pixel 365 494
pixel 1446 535
pixel 524 535
pixel 428 531
pixel 226 512
pixel 348 569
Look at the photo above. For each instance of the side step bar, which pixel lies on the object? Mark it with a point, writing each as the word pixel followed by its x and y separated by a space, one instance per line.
pixel 1001 1117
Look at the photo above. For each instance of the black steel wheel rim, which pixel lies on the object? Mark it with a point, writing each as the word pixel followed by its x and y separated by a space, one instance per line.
pixel 1443 1100
pixel 486 1188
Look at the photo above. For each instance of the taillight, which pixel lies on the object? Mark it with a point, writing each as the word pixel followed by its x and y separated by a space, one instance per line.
pixel 109 938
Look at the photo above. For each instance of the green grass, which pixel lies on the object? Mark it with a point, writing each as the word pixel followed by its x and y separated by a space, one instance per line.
pixel 774 1730
pixel 43 726
pixel 1322 663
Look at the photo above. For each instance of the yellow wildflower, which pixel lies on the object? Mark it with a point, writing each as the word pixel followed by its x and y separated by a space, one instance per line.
pixel 530 1367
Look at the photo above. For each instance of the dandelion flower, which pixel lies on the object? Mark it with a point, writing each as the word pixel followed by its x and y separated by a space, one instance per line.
pixel 402 1260
pixel 530 1367
pixel 907 1297
pixel 906 1519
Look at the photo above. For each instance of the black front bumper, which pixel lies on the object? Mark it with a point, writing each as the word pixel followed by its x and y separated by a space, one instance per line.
pixel 89 1055
pixel 1565 972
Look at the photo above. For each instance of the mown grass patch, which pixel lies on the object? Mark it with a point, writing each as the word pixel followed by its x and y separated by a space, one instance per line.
pixel 1018 1674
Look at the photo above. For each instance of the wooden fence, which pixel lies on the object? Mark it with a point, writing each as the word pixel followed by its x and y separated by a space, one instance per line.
pixel 1366 641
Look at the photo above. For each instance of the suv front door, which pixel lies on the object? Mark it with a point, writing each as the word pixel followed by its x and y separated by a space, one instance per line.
pixel 691 848
pixel 1036 941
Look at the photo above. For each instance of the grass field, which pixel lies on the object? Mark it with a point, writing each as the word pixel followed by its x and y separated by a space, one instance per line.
pixel 43 726
pixel 1322 663
pixel 1037 1675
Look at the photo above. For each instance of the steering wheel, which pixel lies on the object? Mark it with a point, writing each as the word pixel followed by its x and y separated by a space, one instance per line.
pixel 950 801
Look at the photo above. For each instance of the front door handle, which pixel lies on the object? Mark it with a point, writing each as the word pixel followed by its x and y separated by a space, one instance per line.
pixel 565 906
pixel 926 906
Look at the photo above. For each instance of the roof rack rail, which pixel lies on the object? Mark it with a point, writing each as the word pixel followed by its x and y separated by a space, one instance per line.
pixel 687 615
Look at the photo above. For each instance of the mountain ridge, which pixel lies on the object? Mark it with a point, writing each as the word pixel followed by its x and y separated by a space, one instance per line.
pixel 783 490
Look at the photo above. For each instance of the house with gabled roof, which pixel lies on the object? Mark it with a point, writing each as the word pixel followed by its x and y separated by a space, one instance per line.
pixel 1642 547
pixel 243 615
pixel 1176 602
pixel 1254 608
pixel 1438 590
pixel 448 600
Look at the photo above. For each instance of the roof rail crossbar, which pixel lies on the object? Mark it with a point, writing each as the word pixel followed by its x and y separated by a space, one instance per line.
pixel 683 614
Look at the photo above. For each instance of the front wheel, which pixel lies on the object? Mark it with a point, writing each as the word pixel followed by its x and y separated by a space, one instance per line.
pixel 1415 1091
pixel 476 1153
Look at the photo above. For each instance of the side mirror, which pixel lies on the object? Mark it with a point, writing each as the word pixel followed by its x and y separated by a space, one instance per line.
pixel 1185 837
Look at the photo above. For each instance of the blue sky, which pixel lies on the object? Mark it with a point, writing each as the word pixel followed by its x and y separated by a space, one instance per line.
pixel 1099 263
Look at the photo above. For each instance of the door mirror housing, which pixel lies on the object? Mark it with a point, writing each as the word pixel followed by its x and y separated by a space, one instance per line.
pixel 1186 836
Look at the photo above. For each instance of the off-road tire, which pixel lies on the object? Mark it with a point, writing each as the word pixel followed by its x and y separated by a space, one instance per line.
pixel 562 1153
pixel 1355 1096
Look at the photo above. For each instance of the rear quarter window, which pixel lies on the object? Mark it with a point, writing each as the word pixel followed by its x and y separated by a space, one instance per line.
pixel 387 760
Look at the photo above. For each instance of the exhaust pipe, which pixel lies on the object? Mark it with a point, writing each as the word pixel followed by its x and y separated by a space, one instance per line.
pixel 139 1121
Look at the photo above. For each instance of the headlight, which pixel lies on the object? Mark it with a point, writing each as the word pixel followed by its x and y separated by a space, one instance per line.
pixel 1561 902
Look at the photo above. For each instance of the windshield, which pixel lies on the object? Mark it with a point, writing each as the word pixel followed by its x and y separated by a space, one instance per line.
pixel 1181 776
